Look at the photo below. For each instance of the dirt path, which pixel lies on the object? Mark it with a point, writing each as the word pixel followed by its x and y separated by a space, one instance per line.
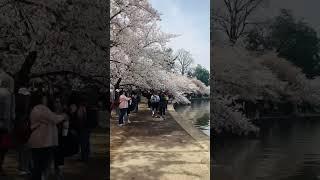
pixel 151 149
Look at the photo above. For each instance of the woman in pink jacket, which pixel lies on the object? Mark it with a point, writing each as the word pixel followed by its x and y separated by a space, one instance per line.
pixel 44 137
pixel 123 106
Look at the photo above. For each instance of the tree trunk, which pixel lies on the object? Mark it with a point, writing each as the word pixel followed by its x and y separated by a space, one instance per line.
pixel 117 86
pixel 295 109
pixel 22 76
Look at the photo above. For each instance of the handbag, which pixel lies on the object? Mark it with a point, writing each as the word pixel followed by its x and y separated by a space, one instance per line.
pixel 22 131
pixel 6 141
pixel 70 144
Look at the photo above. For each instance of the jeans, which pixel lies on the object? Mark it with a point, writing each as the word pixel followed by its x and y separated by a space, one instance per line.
pixel 58 153
pixel 162 110
pixel 85 144
pixel 154 108
pixel 41 161
pixel 123 112
pixel 24 158
pixel 117 110
pixel 136 108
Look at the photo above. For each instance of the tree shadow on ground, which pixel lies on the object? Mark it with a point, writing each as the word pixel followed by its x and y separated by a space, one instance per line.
pixel 97 167
pixel 150 148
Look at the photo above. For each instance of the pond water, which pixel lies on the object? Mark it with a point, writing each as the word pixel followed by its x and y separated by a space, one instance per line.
pixel 286 150
pixel 198 113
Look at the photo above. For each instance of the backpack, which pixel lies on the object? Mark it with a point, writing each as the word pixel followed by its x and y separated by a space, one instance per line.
pixel 22 131
pixel 153 99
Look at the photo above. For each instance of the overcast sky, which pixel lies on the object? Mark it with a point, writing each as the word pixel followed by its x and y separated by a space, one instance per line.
pixel 308 10
pixel 190 19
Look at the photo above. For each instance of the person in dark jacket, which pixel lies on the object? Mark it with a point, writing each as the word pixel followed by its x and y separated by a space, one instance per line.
pixel 162 105
pixel 23 110
pixel 83 131
pixel 137 101
pixel 60 108
pixel 148 96
pixel 7 111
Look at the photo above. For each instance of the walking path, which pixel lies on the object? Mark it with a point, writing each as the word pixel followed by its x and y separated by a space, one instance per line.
pixel 152 149
pixel 95 169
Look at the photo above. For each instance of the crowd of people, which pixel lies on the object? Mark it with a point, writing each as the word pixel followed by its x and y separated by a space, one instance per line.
pixel 125 103
pixel 43 129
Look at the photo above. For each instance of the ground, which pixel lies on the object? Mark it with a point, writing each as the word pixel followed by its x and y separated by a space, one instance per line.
pixel 152 149
pixel 96 168
pixel 146 149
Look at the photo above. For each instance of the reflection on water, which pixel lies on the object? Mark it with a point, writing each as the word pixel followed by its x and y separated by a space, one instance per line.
pixel 198 113
pixel 286 150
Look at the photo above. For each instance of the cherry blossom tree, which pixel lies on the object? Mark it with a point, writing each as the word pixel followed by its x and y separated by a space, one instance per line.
pixel 241 74
pixel 45 39
pixel 139 55
pixel 229 119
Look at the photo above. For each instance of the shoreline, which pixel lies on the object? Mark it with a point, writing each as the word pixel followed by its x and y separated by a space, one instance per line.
pixel 194 132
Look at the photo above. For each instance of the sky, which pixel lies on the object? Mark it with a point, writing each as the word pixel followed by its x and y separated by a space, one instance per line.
pixel 308 10
pixel 191 20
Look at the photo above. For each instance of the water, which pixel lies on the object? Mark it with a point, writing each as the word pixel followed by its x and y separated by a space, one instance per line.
pixel 286 150
pixel 198 113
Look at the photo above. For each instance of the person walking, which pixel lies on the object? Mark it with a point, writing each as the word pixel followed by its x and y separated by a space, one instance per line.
pixel 167 100
pixel 44 136
pixel 134 102
pixel 162 106
pixel 83 131
pixel 148 96
pixel 60 109
pixel 123 107
pixel 138 98
pixel 7 113
pixel 154 103
pixel 23 110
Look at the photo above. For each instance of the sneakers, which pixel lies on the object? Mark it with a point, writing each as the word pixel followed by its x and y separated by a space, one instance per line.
pixel 120 125
pixel 129 121
pixel 23 173
pixel 2 173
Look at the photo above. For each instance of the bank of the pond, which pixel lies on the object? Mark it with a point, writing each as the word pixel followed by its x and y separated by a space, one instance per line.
pixel 197 114
pixel 150 148
pixel 194 132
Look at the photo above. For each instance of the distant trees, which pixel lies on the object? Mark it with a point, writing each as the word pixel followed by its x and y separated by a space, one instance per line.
pixel 202 74
pixel 184 61
pixel 293 40
pixel 232 19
